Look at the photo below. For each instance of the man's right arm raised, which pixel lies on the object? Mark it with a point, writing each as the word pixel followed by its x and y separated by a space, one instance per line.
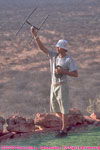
pixel 38 41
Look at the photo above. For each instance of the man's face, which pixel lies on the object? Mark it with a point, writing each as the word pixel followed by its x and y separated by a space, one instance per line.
pixel 60 50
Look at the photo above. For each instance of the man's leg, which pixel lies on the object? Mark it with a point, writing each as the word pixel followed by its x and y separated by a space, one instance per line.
pixel 63 100
pixel 64 119
pixel 65 123
pixel 58 114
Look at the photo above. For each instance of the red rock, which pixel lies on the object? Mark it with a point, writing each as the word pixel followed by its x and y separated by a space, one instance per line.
pixel 52 121
pixel 89 120
pixel 1 128
pixel 2 120
pixel 75 117
pixel 23 127
pixel 10 121
pixel 74 111
pixel 97 123
pixel 30 121
pixel 20 124
pixel 95 115
pixel 15 119
pixel 47 121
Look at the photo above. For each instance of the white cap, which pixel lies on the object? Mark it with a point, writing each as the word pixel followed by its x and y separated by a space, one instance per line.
pixel 62 44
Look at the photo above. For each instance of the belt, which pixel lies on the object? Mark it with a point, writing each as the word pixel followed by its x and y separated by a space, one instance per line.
pixel 57 84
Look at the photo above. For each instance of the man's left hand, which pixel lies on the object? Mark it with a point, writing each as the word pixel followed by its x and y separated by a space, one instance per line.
pixel 59 70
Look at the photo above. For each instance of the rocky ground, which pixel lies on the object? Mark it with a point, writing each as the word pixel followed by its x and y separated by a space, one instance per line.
pixel 17 126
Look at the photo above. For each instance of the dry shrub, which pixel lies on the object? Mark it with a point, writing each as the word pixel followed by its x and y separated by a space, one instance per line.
pixel 94 105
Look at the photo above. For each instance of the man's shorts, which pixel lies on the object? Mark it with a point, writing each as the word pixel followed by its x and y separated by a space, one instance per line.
pixel 59 99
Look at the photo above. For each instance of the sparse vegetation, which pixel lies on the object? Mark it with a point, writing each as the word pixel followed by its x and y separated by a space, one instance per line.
pixel 94 105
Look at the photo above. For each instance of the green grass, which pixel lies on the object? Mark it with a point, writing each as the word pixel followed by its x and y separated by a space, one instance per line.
pixel 88 138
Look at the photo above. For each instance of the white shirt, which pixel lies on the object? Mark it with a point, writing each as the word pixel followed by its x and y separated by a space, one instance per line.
pixel 66 63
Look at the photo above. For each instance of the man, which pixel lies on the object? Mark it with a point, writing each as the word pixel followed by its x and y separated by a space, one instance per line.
pixel 61 66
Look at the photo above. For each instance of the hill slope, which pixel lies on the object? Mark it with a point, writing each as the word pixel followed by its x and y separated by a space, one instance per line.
pixel 24 70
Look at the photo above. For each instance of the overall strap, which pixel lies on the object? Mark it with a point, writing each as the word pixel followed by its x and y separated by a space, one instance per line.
pixel 55 59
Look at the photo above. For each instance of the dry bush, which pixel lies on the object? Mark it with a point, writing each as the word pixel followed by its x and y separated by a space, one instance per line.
pixel 94 105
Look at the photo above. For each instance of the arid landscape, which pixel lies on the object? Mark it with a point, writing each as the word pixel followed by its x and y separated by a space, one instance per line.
pixel 24 70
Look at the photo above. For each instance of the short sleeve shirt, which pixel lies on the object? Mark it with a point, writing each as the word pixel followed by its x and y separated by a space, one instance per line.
pixel 66 63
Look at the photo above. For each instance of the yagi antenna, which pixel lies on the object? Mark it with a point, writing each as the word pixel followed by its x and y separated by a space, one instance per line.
pixel 45 18
pixel 26 21
pixel 43 22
